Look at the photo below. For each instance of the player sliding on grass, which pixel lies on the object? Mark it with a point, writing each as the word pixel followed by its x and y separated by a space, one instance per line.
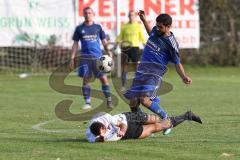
pixel 90 35
pixel 161 48
pixel 131 125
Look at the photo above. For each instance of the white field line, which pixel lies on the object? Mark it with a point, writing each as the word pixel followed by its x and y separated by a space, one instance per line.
pixel 39 127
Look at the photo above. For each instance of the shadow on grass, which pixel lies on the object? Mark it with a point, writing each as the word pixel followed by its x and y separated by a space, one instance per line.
pixel 82 140
pixel 130 141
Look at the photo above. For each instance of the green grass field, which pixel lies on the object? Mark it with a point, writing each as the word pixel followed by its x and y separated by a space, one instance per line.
pixel 214 95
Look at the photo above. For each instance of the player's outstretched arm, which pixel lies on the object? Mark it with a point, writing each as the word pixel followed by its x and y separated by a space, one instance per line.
pixel 145 23
pixel 74 51
pixel 182 74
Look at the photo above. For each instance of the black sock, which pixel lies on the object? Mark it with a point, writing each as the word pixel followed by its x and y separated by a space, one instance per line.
pixel 177 120
pixel 136 108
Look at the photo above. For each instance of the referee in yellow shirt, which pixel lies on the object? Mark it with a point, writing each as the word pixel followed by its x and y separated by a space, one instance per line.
pixel 131 35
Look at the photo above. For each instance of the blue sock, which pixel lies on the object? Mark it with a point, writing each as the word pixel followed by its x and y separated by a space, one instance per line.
pixel 106 92
pixel 86 90
pixel 124 78
pixel 157 100
pixel 158 110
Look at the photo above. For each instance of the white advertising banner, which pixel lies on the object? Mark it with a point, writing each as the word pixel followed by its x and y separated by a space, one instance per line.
pixel 39 19
pixel 24 22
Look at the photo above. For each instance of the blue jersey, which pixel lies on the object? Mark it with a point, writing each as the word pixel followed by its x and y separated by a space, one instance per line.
pixel 158 52
pixel 161 50
pixel 90 37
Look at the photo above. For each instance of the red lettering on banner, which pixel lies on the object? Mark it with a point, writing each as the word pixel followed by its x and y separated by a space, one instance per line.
pixel 184 24
pixel 131 5
pixel 180 24
pixel 103 7
pixel 169 6
pixel 187 24
pixel 177 24
pixel 186 7
pixel 108 25
pixel 122 14
pixel 82 5
pixel 156 7
pixel 114 7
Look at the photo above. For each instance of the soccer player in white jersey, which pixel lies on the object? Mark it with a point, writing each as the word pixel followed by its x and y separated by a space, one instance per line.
pixel 131 125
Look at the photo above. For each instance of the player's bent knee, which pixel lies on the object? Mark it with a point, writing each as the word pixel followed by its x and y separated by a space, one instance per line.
pixel 145 101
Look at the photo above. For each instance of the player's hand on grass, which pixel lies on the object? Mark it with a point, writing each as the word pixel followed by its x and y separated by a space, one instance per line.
pixel 142 16
pixel 187 80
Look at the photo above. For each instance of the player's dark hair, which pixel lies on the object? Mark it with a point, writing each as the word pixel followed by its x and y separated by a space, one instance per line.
pixel 86 8
pixel 165 19
pixel 95 128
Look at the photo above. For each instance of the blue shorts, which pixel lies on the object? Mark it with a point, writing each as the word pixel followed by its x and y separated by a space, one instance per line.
pixel 146 83
pixel 88 68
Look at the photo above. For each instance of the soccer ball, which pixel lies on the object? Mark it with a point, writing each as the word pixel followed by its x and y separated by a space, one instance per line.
pixel 105 64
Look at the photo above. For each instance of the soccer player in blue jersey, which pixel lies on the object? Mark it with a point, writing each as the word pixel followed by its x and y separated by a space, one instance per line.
pixel 90 35
pixel 161 48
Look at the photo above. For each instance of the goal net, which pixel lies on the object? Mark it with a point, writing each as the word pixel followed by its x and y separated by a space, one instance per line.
pixel 32 59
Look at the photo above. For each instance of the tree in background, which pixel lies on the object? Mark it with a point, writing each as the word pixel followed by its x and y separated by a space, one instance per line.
pixel 220 29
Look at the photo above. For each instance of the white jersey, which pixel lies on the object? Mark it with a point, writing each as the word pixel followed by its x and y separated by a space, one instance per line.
pixel 110 122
